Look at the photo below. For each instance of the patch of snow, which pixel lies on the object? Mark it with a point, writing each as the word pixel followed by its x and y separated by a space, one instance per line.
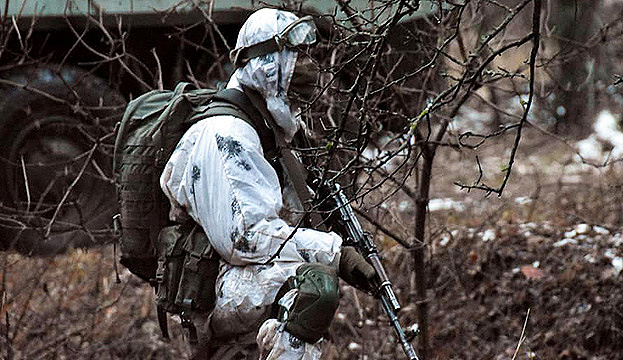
pixel 488 235
pixel 607 129
pixel 571 234
pixel 523 200
pixel 617 263
pixel 445 204
pixel 413 328
pixel 529 226
pixel 606 134
pixel 536 264
pixel 582 228
pixel 354 346
pixel 616 240
pixel 590 148
pixel 370 152
pixel 582 308
pixel 471 119
pixel 547 226
pixel 601 230
pixel 565 241
pixel 385 153
pixel 444 240
pixel 610 254
pixel 590 258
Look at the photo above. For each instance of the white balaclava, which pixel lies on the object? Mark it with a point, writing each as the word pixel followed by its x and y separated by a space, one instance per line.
pixel 270 74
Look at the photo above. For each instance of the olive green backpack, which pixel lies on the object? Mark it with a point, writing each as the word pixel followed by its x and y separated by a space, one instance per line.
pixel 176 259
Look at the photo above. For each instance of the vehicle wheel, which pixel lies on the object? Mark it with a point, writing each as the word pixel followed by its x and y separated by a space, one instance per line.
pixel 56 147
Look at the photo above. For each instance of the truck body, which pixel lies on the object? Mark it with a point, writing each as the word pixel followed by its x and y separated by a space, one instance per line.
pixel 67 69
pixel 51 14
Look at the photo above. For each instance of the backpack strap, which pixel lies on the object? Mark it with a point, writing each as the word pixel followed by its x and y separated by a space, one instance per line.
pixel 295 169
pixel 236 103
pixel 238 98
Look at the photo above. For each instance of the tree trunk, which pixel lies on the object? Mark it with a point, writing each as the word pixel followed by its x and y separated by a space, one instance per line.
pixel 574 21
pixel 419 249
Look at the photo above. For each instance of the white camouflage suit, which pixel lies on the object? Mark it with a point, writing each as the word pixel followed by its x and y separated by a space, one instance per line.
pixel 219 177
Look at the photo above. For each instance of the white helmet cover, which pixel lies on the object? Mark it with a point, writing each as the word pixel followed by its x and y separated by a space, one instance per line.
pixel 270 74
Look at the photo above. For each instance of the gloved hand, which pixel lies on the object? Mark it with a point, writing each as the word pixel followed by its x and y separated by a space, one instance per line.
pixel 355 270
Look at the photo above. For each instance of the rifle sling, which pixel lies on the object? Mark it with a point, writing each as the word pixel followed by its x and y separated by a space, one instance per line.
pixel 162 321
pixel 294 168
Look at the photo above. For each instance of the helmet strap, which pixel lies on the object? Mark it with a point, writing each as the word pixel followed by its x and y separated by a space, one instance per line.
pixel 241 56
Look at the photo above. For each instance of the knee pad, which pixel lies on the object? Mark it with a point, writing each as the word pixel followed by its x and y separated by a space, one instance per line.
pixel 307 302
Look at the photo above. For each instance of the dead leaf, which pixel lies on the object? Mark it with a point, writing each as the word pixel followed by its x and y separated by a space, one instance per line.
pixel 473 257
pixel 531 272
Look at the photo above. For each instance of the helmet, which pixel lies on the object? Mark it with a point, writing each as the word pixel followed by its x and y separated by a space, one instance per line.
pixel 265 57
pixel 301 32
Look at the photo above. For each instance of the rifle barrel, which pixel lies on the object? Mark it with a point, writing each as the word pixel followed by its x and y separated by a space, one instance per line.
pixel 402 338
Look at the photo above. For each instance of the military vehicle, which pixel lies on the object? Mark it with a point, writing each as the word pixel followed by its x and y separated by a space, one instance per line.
pixel 67 69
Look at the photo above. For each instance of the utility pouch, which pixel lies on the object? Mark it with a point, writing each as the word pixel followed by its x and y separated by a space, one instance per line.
pixel 187 269
pixel 201 265
pixel 170 249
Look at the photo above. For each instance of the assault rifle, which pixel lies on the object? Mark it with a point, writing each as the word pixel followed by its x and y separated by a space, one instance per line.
pixel 355 236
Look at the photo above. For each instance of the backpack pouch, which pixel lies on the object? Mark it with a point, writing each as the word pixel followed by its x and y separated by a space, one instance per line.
pixel 170 249
pixel 196 290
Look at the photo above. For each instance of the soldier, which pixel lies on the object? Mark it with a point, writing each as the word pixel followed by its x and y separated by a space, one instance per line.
pixel 219 177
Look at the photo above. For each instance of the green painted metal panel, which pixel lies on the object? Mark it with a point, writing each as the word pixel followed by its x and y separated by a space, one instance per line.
pixel 60 8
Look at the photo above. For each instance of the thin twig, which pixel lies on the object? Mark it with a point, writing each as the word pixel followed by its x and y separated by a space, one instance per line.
pixel 48 347
pixel 5 308
pixel 383 229
pixel 75 107
pixel 535 37
pixel 522 337
pixel 69 189
pixel 25 183
pixel 159 69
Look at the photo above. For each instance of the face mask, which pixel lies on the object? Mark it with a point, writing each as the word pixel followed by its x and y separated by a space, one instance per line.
pixel 304 80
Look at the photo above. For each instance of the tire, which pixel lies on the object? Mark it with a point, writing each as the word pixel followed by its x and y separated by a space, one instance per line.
pixel 49 128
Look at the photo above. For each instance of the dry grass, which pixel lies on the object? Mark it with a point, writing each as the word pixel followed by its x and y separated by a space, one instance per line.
pixel 71 307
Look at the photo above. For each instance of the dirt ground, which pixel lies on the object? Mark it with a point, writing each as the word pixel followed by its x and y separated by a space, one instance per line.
pixel 535 274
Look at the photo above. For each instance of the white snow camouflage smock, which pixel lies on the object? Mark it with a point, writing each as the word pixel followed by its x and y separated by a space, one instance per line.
pixel 219 177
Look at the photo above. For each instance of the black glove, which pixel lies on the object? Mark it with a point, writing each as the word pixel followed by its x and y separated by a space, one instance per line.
pixel 355 270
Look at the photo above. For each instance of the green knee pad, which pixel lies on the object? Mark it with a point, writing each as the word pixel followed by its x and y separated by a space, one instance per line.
pixel 314 306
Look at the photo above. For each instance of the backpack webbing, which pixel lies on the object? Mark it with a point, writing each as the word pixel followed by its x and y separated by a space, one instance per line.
pixel 150 130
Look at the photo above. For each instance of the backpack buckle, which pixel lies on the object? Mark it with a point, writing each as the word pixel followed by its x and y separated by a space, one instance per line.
pixel 158 157
pixel 160 272
pixel 187 323
pixel 116 226
pixel 192 263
